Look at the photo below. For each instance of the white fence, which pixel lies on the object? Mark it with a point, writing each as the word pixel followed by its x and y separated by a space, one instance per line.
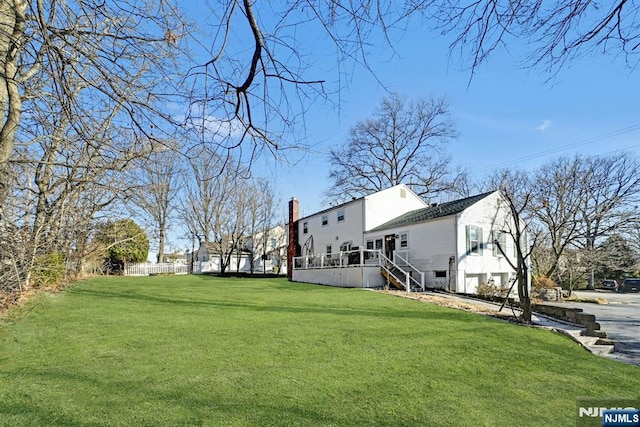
pixel 161 268
pixel 260 267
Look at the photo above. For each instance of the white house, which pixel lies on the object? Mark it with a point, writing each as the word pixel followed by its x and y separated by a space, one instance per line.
pixel 341 228
pixel 394 236
pixel 262 253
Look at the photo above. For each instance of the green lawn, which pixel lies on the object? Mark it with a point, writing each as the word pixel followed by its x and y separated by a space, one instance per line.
pixel 194 350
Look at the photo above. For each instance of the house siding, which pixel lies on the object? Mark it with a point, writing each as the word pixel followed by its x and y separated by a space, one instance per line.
pixel 430 245
pixel 334 233
pixel 388 204
pixel 488 215
pixel 440 245
pixel 346 277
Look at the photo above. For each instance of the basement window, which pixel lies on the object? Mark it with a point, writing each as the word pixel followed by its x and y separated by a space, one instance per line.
pixel 440 274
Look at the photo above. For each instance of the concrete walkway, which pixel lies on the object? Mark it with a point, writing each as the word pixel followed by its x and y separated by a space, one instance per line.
pixel 598 346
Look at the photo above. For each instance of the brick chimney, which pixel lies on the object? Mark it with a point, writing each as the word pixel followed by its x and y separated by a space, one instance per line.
pixel 293 236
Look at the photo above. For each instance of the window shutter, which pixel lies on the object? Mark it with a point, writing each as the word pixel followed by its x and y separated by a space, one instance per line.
pixel 494 245
pixel 468 240
pixel 480 241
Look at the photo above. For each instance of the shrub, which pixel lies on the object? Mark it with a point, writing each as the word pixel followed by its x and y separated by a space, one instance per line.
pixel 125 241
pixel 540 286
pixel 490 290
pixel 48 269
pixel 542 282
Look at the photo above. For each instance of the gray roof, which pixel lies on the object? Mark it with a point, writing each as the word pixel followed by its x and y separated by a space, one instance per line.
pixel 432 212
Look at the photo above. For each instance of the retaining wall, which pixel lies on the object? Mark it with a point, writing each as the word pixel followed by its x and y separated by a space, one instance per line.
pixel 572 315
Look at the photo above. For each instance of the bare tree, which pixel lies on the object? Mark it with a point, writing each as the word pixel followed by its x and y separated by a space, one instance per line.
pixel 577 203
pixel 260 72
pixel 515 191
pixel 558 189
pixel 156 190
pixel 78 81
pixel 611 198
pixel 573 268
pixel 203 193
pixel 261 216
pixel 213 199
pixel 403 143
pixel 116 49
pixel 555 31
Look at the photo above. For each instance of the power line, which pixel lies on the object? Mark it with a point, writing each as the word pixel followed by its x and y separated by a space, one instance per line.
pixel 580 143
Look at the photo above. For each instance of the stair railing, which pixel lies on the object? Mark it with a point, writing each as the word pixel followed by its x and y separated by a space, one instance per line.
pixel 405 263
pixel 388 265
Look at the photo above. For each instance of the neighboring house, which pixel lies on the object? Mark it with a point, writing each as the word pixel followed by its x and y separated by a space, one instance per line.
pixel 264 252
pixel 268 250
pixel 399 238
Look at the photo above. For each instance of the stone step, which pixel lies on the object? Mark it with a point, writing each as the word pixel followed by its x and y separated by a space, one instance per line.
pixel 587 341
pixel 600 350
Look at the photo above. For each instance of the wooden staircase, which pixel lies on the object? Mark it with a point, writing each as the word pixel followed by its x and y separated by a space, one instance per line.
pixel 392 280
pixel 398 276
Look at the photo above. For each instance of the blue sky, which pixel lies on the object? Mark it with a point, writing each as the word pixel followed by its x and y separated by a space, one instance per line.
pixel 507 115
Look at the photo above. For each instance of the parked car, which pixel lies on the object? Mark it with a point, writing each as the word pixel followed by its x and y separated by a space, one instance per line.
pixel 630 285
pixel 609 284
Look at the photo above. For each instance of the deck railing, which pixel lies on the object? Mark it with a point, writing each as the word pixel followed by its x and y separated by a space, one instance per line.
pixel 355 258
pixel 399 267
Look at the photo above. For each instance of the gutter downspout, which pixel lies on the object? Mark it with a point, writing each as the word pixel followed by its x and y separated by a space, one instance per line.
pixel 456 221
pixel 363 242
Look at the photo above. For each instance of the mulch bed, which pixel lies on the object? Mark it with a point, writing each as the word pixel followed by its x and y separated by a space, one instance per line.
pixel 506 314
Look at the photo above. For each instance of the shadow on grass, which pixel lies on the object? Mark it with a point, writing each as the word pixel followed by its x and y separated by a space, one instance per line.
pixel 442 314
pixel 181 405
pixel 26 413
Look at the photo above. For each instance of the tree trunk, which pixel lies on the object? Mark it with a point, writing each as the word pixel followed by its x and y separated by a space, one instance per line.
pixel 12 25
pixel 523 292
pixel 161 246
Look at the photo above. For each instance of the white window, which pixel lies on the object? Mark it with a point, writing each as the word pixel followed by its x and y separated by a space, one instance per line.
pixel 369 244
pixel 404 240
pixel 340 215
pixel 403 193
pixel 345 247
pixel 474 240
pixel 305 227
pixel 378 244
pixel 273 243
pixel 328 250
pixel 499 238
pixel 325 220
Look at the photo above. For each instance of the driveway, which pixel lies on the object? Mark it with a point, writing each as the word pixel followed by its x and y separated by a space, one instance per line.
pixel 620 319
